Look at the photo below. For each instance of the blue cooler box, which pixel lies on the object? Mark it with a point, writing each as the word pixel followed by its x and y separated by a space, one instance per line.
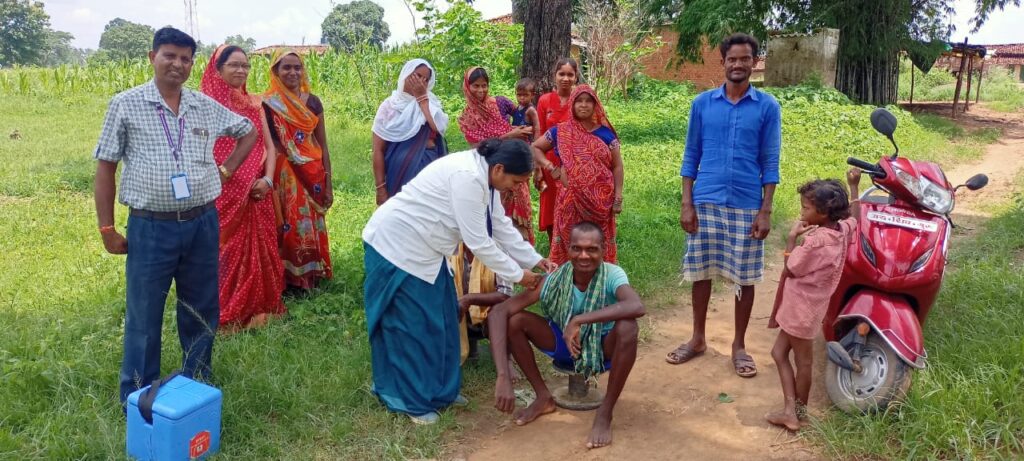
pixel 185 422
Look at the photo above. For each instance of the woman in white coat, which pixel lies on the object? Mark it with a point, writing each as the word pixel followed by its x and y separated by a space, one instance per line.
pixel 411 303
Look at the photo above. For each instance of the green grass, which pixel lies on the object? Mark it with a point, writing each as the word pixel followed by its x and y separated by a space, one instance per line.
pixel 967 404
pixel 999 87
pixel 299 388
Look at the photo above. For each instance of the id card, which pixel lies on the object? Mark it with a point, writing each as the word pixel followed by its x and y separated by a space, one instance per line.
pixel 179 184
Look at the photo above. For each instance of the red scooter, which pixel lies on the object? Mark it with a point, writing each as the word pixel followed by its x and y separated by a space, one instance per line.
pixel 892 276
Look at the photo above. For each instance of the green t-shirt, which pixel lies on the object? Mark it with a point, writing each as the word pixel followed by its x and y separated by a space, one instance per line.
pixel 616 278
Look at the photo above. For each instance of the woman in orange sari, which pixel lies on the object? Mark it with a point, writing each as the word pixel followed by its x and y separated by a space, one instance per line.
pixel 250 275
pixel 486 117
pixel 302 190
pixel 591 173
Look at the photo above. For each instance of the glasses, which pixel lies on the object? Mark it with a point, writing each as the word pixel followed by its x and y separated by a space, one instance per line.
pixel 238 65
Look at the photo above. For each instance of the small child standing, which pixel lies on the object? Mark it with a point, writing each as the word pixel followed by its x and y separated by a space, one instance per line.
pixel 811 274
pixel 525 114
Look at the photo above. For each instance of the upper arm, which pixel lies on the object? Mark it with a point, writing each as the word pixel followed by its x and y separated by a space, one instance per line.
pixel 521 301
pixel 228 123
pixel 378 144
pixel 694 137
pixel 113 135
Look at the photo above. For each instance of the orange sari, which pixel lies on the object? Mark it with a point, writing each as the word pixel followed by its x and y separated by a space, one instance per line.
pixel 301 184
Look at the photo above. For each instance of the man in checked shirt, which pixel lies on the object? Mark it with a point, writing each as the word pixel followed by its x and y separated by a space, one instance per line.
pixel 164 134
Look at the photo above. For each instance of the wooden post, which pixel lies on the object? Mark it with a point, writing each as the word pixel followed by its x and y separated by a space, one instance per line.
pixel 959 77
pixel 970 72
pixel 981 74
pixel 911 83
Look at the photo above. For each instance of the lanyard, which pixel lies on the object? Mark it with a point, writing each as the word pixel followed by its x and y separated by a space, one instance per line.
pixel 175 148
pixel 490 227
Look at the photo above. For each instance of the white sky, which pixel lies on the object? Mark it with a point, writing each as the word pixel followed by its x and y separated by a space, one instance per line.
pixel 273 22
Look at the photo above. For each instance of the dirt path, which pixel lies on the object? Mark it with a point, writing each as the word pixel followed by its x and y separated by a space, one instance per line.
pixel 672 412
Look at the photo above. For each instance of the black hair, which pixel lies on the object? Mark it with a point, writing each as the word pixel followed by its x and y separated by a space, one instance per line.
pixel 568 62
pixel 172 36
pixel 224 55
pixel 828 196
pixel 514 154
pixel 477 74
pixel 526 84
pixel 588 227
pixel 738 39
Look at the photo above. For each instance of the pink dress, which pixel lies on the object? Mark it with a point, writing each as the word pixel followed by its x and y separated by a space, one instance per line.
pixel 814 269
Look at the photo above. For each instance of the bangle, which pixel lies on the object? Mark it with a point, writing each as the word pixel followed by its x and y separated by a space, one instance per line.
pixel 107 229
pixel 381 185
pixel 786 254
pixel 224 171
pixel 422 98
pixel 269 182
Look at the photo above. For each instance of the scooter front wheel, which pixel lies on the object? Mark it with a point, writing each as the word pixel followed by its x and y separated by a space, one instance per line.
pixel 883 378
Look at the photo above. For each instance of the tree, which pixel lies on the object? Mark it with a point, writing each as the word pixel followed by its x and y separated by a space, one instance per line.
pixel 122 39
pixel 247 44
pixel 872 32
pixel 547 37
pixel 58 50
pixel 616 41
pixel 23 31
pixel 356 23
pixel 519 11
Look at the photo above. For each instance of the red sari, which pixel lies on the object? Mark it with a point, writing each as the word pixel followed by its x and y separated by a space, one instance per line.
pixel 590 193
pixel 551 113
pixel 301 185
pixel 251 275
pixel 482 120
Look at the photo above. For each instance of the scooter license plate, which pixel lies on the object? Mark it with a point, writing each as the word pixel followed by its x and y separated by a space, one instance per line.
pixel 901 221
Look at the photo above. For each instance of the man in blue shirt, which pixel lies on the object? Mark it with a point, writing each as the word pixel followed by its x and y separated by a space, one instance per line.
pixel 729 172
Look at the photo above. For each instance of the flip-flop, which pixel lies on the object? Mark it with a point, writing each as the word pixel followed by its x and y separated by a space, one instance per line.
pixel 746 361
pixel 682 354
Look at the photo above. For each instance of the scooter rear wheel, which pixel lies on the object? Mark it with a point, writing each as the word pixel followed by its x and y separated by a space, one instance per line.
pixel 883 379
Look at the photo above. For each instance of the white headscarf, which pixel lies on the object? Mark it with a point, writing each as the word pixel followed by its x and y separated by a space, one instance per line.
pixel 399 117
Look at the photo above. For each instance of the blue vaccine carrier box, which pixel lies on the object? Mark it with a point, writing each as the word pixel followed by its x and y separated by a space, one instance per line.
pixel 185 422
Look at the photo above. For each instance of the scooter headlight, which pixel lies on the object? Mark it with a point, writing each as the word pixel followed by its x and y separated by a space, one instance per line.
pixel 931 195
pixel 935 197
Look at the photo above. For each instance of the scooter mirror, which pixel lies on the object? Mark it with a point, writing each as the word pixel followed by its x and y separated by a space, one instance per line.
pixel 977 182
pixel 883 121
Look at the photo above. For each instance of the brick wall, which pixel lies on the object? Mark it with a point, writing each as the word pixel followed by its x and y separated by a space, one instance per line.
pixel 704 75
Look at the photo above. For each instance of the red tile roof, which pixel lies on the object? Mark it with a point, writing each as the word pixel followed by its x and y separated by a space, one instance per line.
pixel 504 19
pixel 1007 54
pixel 301 49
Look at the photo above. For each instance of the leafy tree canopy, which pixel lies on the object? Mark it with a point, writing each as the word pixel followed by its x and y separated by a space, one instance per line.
pixel 23 32
pixel 354 24
pixel 122 39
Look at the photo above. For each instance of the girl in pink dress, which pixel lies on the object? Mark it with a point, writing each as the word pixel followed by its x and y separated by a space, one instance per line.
pixel 811 274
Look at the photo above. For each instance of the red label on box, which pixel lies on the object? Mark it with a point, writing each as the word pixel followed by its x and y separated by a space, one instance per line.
pixel 199 445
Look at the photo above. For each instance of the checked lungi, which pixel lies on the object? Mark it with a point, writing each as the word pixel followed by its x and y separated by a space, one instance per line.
pixel 723 246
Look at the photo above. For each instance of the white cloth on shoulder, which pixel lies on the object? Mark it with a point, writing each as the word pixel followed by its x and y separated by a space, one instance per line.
pixel 399 117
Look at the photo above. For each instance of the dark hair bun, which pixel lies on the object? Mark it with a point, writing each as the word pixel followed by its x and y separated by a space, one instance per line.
pixel 488 147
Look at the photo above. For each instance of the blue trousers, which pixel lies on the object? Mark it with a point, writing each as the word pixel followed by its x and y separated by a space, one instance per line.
pixel 159 251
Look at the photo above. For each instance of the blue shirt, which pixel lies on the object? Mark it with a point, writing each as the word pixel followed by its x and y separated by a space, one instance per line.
pixel 732 150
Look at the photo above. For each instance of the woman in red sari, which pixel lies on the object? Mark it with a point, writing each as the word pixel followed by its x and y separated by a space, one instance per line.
pixel 487 117
pixel 592 174
pixel 553 108
pixel 250 275
pixel 302 189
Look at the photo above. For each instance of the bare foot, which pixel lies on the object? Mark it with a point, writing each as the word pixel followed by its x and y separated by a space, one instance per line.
pixel 601 432
pixel 540 406
pixel 781 418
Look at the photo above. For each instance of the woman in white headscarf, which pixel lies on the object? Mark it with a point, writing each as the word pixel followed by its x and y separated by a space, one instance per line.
pixel 408 131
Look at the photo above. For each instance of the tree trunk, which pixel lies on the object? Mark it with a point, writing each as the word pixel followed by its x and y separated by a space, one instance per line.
pixel 519 8
pixel 547 38
pixel 869 80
